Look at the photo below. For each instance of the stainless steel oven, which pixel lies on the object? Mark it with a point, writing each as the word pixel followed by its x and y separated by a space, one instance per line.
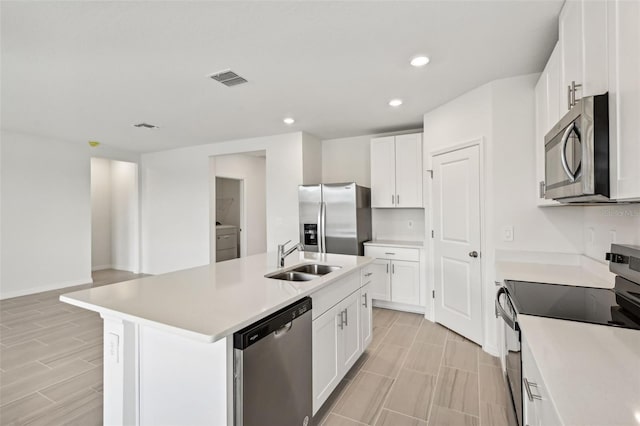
pixel 513 359
pixel 577 154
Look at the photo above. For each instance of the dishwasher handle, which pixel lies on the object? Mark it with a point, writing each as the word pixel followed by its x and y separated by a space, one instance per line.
pixel 278 324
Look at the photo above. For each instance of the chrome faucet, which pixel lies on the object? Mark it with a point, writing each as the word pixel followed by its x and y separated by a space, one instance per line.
pixel 282 253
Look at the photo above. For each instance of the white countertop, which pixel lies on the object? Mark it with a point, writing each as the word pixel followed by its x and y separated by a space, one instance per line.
pixel 210 302
pixel 591 372
pixel 395 243
pixel 576 275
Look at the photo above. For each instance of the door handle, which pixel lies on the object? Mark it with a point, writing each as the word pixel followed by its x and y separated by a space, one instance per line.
pixel 393 269
pixel 473 254
pixel 392 199
pixel 341 323
pixel 365 300
pixel 387 268
pixel 569 97
pixel 346 317
pixel 397 199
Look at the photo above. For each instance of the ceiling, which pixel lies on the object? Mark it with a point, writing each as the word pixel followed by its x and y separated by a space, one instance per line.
pixel 89 70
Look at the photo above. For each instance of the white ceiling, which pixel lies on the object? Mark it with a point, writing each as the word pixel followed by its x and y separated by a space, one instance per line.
pixel 89 70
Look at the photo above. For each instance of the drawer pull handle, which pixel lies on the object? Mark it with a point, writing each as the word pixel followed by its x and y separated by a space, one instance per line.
pixel 530 394
pixel 365 300
pixel 368 274
pixel 390 254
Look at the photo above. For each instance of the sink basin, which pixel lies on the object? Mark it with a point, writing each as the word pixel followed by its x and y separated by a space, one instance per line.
pixel 292 276
pixel 316 269
pixel 306 272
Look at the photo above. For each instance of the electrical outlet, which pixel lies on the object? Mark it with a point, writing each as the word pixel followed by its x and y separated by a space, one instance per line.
pixel 410 224
pixel 114 347
pixel 507 233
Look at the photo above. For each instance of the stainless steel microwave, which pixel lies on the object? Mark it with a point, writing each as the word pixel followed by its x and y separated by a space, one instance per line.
pixel 577 154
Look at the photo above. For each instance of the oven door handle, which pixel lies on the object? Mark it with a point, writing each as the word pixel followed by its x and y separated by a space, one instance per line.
pixel 500 310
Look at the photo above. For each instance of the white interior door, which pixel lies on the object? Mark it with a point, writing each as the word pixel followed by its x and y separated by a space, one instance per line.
pixel 456 221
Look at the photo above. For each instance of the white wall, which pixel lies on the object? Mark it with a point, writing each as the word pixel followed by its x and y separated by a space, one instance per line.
pixel 100 214
pixel 177 198
pixel 46 212
pixel 612 223
pixel 125 215
pixel 252 170
pixel 311 159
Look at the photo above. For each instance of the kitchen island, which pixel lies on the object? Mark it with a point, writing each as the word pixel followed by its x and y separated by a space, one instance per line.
pixel 168 352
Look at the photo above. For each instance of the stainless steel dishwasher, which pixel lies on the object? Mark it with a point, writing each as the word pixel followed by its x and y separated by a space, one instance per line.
pixel 272 369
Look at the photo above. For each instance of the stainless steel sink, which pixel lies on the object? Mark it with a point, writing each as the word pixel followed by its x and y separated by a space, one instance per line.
pixel 305 272
pixel 316 269
pixel 292 276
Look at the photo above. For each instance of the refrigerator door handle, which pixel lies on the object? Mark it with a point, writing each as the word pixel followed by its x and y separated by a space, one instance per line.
pixel 319 235
pixel 323 230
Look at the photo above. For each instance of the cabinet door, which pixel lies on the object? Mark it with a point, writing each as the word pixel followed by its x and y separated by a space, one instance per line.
pixel 624 102
pixel 571 48
pixel 383 172
pixel 405 282
pixel 381 279
pixel 409 170
pixel 366 316
pixel 556 94
pixel 326 339
pixel 594 47
pixel 351 340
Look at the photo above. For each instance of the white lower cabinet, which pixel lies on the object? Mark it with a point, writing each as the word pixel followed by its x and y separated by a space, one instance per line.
pixel 396 276
pixel 405 282
pixel 340 333
pixel 538 409
pixel 381 279
pixel 366 315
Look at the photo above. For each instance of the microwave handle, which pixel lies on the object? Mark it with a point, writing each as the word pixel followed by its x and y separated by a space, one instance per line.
pixel 563 152
pixel 500 312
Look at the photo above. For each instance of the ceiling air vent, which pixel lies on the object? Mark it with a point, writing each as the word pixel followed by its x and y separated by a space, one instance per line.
pixel 228 78
pixel 145 126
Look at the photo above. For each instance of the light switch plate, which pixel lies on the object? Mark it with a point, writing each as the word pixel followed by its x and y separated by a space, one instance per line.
pixel 507 233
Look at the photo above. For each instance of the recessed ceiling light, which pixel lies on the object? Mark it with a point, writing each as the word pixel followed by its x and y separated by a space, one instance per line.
pixel 289 121
pixel 419 61
pixel 395 102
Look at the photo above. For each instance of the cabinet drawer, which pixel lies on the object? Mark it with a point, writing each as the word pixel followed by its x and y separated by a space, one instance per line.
pixel 227 241
pixel 226 254
pixel 329 296
pixel 399 253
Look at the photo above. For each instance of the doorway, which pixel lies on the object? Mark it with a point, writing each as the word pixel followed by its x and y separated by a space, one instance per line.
pixel 456 244
pixel 237 205
pixel 115 242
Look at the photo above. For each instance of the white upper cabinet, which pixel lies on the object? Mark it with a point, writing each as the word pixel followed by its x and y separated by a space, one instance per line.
pixel 409 170
pixel 396 171
pixel 624 98
pixel 383 172
pixel 583 50
pixel 547 94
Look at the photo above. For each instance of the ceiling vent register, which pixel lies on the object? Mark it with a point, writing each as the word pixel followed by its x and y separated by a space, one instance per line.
pixel 228 78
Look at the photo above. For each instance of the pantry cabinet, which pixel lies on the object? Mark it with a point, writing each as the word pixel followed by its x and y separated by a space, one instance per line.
pixel 396 171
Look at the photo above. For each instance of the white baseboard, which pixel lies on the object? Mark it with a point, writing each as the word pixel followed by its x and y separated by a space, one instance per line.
pixel 127 268
pixel 100 267
pixel 398 306
pixel 40 289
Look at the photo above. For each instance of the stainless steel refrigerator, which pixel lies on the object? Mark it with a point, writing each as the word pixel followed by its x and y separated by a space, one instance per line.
pixel 335 217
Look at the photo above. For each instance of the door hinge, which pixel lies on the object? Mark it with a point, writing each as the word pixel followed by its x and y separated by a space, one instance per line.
pixel 432 234
pixel 433 294
pixel 430 173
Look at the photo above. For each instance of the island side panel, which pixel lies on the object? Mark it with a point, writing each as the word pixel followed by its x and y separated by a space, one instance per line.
pixel 119 372
pixel 183 381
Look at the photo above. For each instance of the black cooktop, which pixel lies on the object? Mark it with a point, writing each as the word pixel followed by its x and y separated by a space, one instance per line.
pixel 584 304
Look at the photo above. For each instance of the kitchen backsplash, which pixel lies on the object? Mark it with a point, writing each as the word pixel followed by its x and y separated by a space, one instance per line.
pixel 398 224
pixel 610 223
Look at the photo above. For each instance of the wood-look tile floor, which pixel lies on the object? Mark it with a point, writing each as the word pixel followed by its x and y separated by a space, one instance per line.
pixel 416 373
pixel 51 358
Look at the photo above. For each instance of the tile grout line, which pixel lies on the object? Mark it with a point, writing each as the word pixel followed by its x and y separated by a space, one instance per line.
pixel 438 378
